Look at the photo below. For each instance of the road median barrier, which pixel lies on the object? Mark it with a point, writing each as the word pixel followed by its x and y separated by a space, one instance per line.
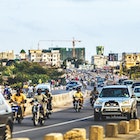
pixel 113 131
pixel 59 100
pixel 53 136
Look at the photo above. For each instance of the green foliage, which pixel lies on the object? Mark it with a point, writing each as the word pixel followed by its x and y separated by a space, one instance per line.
pixel 25 71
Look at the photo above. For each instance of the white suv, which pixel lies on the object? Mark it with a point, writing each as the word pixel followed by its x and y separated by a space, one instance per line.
pixel 115 100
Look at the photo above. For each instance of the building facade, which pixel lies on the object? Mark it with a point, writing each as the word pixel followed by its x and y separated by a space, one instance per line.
pixel 68 53
pixel 99 61
pixel 8 55
pixel 130 59
pixel 49 57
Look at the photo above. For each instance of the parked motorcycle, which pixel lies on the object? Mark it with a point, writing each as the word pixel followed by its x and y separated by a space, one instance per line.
pixel 17 112
pixel 37 111
pixel 77 105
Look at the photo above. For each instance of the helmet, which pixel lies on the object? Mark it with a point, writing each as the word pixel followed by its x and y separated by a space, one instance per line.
pixel 47 89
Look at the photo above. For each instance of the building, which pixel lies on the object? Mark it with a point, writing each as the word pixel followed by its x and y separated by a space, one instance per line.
pixel 100 50
pixel 68 53
pixel 8 55
pixel 49 57
pixel 99 61
pixel 63 52
pixel 130 59
pixel 23 55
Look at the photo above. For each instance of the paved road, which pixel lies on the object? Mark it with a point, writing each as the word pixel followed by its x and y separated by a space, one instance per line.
pixel 62 121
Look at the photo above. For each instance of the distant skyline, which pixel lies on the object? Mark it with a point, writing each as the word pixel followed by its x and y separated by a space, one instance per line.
pixel 114 24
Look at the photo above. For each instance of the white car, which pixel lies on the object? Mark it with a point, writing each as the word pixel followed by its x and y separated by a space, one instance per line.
pixel 136 91
pixel 44 86
pixel 115 100
pixel 128 82
pixel 72 85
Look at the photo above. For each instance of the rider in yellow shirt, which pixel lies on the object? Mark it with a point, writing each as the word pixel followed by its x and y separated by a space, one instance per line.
pixel 78 95
pixel 20 99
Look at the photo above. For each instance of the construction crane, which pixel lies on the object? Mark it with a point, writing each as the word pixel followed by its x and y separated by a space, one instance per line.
pixel 73 44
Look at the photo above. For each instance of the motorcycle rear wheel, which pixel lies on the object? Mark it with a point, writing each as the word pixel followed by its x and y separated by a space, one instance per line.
pixel 42 121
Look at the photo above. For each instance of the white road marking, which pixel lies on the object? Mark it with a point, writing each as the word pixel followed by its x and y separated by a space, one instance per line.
pixel 54 125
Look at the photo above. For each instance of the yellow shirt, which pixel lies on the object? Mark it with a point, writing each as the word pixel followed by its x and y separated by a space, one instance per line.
pixel 19 98
pixel 78 95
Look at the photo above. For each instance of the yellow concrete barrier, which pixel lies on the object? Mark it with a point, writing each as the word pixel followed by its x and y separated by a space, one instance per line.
pixel 96 132
pixel 75 134
pixel 123 127
pixel 133 125
pixel 82 131
pixel 53 136
pixel 111 130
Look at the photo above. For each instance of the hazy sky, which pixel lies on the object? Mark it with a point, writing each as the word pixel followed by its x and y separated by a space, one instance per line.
pixel 114 24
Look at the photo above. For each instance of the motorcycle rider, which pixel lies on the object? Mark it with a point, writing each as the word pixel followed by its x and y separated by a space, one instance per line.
pixel 78 94
pixel 42 99
pixel 94 95
pixel 20 99
pixel 49 96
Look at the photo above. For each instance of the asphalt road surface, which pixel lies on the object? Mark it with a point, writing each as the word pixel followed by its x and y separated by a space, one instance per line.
pixel 61 122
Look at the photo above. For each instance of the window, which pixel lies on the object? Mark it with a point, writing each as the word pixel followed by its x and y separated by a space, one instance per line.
pixel 114 92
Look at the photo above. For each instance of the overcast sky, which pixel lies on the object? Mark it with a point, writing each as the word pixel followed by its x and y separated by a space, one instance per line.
pixel 114 24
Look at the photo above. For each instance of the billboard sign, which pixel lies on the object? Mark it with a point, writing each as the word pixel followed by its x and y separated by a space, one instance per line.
pixel 113 57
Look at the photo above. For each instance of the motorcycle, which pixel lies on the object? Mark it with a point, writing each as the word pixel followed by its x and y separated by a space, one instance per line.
pixel 77 105
pixel 17 112
pixel 48 107
pixel 93 99
pixel 48 112
pixel 37 111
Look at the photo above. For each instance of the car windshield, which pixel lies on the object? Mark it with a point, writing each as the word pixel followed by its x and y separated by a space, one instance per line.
pixel 128 82
pixel 137 90
pixel 136 84
pixel 73 83
pixel 114 92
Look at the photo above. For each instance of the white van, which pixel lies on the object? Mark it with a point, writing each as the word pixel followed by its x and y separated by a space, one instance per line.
pixel 44 86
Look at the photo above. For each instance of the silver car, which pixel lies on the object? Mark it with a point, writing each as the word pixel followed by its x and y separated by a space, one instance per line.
pixel 136 91
pixel 115 100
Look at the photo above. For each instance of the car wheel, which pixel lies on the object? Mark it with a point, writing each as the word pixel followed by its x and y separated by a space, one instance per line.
pixel 96 116
pixel 8 132
pixel 135 114
pixel 103 118
pixel 129 116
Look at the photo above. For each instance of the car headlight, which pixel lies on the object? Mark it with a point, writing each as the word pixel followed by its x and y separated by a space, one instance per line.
pixel 126 102
pixel 98 102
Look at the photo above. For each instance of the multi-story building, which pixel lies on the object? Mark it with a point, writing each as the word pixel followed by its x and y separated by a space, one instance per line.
pixel 50 57
pixel 130 59
pixel 8 55
pixel 99 61
pixel 68 53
